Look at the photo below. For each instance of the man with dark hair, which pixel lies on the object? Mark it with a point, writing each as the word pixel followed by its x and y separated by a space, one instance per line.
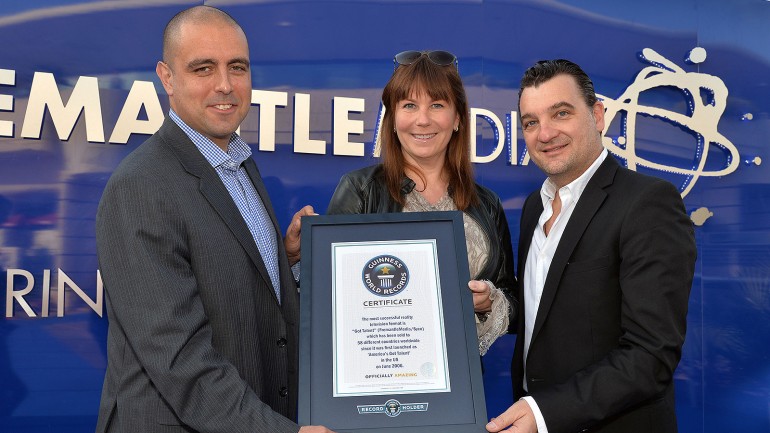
pixel 202 303
pixel 607 257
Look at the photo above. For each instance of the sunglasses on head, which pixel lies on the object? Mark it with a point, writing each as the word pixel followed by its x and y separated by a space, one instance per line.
pixel 438 57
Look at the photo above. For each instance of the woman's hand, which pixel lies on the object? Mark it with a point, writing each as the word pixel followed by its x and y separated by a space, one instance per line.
pixel 482 303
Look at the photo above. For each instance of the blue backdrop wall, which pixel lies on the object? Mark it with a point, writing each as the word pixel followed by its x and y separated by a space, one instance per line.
pixel 686 83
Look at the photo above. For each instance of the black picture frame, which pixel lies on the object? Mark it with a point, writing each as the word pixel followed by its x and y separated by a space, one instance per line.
pixel 463 408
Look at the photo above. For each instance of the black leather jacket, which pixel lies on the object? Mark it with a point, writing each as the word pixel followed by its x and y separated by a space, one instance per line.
pixel 364 191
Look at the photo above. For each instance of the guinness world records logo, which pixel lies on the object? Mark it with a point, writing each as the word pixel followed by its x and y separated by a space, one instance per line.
pixel 385 275
pixel 392 408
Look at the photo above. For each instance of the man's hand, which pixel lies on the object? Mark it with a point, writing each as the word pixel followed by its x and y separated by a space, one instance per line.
pixel 314 429
pixel 482 303
pixel 519 417
pixel 292 240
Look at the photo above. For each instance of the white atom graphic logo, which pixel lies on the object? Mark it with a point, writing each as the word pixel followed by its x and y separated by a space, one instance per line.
pixel 702 120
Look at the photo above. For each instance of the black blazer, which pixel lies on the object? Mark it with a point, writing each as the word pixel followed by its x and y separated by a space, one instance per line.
pixel 197 339
pixel 611 322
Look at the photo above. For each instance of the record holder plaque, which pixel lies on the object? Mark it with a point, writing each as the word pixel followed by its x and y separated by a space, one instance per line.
pixel 387 332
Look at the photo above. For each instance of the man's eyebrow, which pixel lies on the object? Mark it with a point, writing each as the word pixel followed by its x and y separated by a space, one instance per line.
pixel 199 62
pixel 554 107
pixel 242 60
pixel 561 104
pixel 526 116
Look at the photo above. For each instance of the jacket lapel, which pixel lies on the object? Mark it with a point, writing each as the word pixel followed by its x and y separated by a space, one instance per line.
pixel 533 207
pixel 215 192
pixel 531 211
pixel 256 180
pixel 259 186
pixel 589 203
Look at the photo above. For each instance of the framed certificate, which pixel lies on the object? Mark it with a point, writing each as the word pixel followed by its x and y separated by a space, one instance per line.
pixel 387 332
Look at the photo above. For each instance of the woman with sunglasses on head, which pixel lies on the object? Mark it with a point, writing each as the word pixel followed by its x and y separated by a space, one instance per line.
pixel 425 150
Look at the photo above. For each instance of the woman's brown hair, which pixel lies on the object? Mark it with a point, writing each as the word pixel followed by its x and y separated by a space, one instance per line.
pixel 440 83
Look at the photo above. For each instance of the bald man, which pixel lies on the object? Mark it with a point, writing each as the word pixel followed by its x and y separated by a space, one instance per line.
pixel 201 298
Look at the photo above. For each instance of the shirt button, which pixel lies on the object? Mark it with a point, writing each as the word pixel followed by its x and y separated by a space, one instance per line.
pixel 281 342
pixel 283 392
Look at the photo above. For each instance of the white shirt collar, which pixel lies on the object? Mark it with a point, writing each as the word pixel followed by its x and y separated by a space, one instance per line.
pixel 575 188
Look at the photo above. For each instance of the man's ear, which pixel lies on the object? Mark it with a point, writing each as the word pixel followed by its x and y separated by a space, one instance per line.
pixel 598 111
pixel 165 74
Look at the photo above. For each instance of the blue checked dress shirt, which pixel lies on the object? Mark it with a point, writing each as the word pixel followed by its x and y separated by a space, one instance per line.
pixel 228 166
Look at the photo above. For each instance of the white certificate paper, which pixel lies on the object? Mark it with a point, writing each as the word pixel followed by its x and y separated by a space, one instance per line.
pixel 388 319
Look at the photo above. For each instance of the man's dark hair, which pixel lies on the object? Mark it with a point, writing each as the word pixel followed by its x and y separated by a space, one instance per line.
pixel 544 70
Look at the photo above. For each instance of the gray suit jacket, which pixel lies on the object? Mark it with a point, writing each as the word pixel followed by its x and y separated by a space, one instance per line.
pixel 197 339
